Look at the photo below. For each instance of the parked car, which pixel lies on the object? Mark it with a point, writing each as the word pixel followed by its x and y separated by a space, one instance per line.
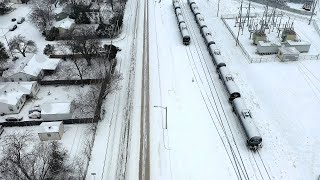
pixel 13 28
pixel 13 19
pixel 21 20
pixel 35 109
pixel 14 118
pixel 35 115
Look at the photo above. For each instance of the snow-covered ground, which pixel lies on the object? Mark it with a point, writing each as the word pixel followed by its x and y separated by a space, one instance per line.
pixel 200 138
pixel 282 96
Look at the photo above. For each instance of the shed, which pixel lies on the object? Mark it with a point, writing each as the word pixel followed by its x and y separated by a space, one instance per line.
pixel 265 47
pixel 51 131
pixel 288 54
pixel 56 110
pixel 301 46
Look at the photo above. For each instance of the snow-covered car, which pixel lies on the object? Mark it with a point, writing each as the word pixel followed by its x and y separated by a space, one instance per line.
pixel 35 115
pixel 13 28
pixel 35 109
pixel 14 118
pixel 21 20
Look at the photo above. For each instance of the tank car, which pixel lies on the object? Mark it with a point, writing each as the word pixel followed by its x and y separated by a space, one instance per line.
pixel 254 139
pixel 195 9
pixel 200 21
pixel 190 2
pixel 216 56
pixel 178 11
pixel 228 82
pixel 175 4
pixel 185 34
pixel 180 19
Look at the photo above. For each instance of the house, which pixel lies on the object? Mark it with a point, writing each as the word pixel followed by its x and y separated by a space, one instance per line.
pixel 57 110
pixel 19 1
pixel 32 68
pixel 59 14
pixel 64 25
pixel 13 95
pixel 51 131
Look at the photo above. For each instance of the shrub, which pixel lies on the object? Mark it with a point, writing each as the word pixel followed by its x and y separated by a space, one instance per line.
pixel 52 34
pixel 49 49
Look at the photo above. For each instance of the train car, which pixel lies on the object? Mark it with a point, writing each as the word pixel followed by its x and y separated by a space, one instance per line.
pixel 216 56
pixel 190 2
pixel 205 32
pixel 180 19
pixel 176 4
pixel 200 21
pixel 209 40
pixel 178 11
pixel 185 34
pixel 228 81
pixel 195 9
pixel 254 139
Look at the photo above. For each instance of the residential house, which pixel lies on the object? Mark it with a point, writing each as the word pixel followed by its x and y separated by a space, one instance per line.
pixel 31 68
pixel 64 25
pixel 13 95
pixel 51 131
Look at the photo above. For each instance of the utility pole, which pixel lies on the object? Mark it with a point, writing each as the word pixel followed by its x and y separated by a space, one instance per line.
pixel 314 4
pixel 218 8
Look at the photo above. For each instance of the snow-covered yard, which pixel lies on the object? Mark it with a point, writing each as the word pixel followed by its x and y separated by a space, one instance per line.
pixel 67 70
pixel 58 93
pixel 73 140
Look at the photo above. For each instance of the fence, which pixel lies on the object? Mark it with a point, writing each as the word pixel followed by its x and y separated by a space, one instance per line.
pixel 70 82
pixel 283 7
pixel 34 123
pixel 235 37
pixel 265 59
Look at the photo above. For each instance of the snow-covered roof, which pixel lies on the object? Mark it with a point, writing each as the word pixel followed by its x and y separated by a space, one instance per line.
pixel 56 108
pixel 58 10
pixel 33 65
pixel 64 23
pixel 11 92
pixel 289 50
pixel 47 127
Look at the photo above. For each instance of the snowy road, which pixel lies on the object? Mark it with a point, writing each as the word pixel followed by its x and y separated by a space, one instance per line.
pixel 116 146
pixel 144 162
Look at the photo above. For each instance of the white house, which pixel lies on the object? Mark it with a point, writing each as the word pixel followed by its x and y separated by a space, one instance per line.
pixel 57 110
pixel 32 68
pixel 13 95
pixel 51 131
pixel 64 25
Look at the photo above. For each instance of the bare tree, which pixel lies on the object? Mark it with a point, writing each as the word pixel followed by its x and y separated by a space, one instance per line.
pixel 84 42
pixel 81 69
pixel 22 161
pixel 3 53
pixel 22 45
pixel 42 14
pixel 85 103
